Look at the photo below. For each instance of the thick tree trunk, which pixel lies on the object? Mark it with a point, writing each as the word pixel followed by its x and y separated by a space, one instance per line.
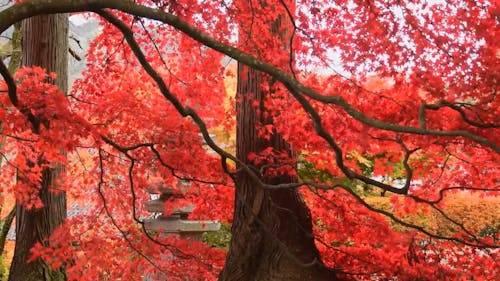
pixel 272 237
pixel 272 230
pixel 45 44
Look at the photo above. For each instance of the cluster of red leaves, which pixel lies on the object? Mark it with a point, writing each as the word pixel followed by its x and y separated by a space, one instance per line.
pixel 106 255
pixel 117 101
pixel 363 244
pixel 29 149
pixel 447 58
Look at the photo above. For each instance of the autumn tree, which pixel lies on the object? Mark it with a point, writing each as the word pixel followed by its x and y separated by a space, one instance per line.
pixel 388 98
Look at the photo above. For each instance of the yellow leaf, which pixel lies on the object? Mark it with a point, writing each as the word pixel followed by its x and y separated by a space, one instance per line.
pixel 355 154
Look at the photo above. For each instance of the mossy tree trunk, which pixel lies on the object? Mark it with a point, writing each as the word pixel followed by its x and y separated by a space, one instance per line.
pixel 45 44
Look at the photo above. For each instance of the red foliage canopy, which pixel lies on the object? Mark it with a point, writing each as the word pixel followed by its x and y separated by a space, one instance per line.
pixel 375 96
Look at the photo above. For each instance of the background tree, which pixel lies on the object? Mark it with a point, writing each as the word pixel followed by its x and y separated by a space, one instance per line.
pixel 45 44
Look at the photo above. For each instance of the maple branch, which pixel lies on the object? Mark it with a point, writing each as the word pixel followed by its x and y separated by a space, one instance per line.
pixel 80 159
pixel 33 7
pixel 151 39
pixel 419 228
pixel 174 174
pixel 74 54
pixel 454 106
pixel 433 204
pixel 476 169
pixel 132 191
pixel 295 87
pixel 320 130
pixel 455 222
pixel 444 190
pixel 80 100
pixel 355 257
pixel 11 84
pixel 151 146
pixel 20 138
pixel 185 111
pixel 292 35
pixel 171 248
pixel 125 150
pixel 443 167
pixel 113 221
pixel 407 154
pixel 12 93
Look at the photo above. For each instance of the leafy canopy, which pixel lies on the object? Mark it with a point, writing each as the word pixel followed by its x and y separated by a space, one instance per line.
pixel 393 97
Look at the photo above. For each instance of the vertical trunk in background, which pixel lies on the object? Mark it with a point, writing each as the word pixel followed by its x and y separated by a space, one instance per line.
pixel 45 44
pixel 272 236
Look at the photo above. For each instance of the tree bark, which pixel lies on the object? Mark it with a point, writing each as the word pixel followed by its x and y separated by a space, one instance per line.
pixel 272 236
pixel 45 44
pixel 272 230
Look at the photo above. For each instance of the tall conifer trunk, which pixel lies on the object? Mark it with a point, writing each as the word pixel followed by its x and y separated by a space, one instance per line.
pixel 45 44
pixel 272 230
